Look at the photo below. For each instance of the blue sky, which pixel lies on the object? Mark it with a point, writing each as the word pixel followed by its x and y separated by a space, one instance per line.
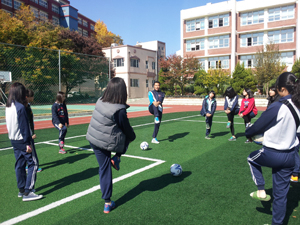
pixel 140 20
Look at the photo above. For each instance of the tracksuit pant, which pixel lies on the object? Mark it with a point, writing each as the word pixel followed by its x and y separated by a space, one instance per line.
pixel 105 173
pixel 247 118
pixel 25 181
pixel 230 117
pixel 62 133
pixel 209 121
pixel 282 164
pixel 157 113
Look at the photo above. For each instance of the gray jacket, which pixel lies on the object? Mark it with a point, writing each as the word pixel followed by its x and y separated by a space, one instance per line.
pixel 103 131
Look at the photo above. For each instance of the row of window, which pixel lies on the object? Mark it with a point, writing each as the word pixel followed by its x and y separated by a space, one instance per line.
pixel 255 17
pixel 83 32
pixel 135 83
pixel 254 39
pixel 133 63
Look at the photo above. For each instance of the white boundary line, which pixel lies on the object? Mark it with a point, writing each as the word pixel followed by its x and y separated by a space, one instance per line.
pixel 83 193
pixel 203 121
pixel 83 135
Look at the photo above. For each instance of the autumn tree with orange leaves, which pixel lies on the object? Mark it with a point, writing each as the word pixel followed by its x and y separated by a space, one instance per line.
pixel 104 37
pixel 178 71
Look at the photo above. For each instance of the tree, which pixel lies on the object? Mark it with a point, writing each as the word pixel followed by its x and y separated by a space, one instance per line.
pixel 168 88
pixel 242 78
pixel 296 68
pixel 104 37
pixel 178 71
pixel 268 65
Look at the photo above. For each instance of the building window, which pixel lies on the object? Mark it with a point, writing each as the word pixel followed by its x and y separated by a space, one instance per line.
pixel 35 11
pixel 134 83
pixel 55 8
pixel 248 60
pixel 17 4
pixel 147 83
pixel 146 64
pixel 43 3
pixel 35 1
pixel 192 25
pixel 287 58
pixel 218 21
pixel 252 18
pixel 153 65
pixel 134 62
pixel 80 31
pixel 55 20
pixel 79 21
pixel 281 13
pixel 85 33
pixel 162 48
pixel 219 42
pixel 92 27
pixel 153 81
pixel 85 23
pixel 118 62
pixel 11 14
pixel 195 44
pixel 252 39
pixel 7 2
pixel 281 36
pixel 218 62
pixel 202 63
pixel 43 15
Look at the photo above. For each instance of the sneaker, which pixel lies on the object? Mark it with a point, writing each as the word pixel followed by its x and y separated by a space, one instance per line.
pixel 115 162
pixel 248 141
pixel 62 151
pixel 155 141
pixel 207 137
pixel 31 197
pixel 61 144
pixel 228 125
pixel 20 194
pixel 232 139
pixel 108 208
pixel 156 120
pixel 294 178
pixel 207 126
pixel 248 125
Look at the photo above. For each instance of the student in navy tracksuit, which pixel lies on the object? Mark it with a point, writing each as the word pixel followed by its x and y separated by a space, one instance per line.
pixel 209 106
pixel 21 140
pixel 156 98
pixel 110 131
pixel 60 119
pixel 279 148
pixel 231 108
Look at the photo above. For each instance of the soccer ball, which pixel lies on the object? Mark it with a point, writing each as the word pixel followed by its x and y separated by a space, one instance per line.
pixel 258 139
pixel 144 145
pixel 176 170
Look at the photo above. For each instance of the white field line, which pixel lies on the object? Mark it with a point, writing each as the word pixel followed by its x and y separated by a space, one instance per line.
pixel 81 194
pixel 83 135
pixel 203 121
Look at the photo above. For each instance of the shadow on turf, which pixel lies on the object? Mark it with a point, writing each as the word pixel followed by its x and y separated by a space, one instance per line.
pixel 65 181
pixel 154 184
pixel 175 136
pixel 219 134
pixel 293 199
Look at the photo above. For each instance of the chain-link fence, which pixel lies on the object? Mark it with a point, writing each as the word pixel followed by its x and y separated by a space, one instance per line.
pixel 46 71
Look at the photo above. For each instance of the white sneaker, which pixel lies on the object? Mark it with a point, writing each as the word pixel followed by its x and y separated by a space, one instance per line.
pixel 155 141
pixel 156 120
pixel 31 197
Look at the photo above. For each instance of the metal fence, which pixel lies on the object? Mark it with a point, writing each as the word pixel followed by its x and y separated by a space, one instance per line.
pixel 82 77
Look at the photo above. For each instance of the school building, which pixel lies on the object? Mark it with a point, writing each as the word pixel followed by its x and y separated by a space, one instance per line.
pixel 137 65
pixel 224 33
pixel 58 11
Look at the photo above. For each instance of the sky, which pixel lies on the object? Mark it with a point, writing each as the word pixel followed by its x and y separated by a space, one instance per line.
pixel 140 20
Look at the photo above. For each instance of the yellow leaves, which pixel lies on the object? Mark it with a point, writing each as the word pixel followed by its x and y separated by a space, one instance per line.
pixel 105 37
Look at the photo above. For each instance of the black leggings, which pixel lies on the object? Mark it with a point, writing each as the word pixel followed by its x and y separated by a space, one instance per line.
pixel 230 117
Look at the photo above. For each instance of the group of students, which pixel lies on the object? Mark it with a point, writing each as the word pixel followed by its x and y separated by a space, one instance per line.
pixel 110 131
pixel 247 110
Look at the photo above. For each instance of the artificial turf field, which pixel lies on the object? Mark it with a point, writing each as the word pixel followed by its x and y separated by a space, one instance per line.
pixel 213 189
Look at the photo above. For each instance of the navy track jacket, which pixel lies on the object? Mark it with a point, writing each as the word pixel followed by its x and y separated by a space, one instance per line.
pixel 59 114
pixel 205 110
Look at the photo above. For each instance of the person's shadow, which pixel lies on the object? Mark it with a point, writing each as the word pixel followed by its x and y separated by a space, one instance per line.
pixel 219 134
pixel 65 181
pixel 154 184
pixel 175 136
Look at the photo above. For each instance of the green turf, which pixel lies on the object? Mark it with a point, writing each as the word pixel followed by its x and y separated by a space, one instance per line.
pixel 213 189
